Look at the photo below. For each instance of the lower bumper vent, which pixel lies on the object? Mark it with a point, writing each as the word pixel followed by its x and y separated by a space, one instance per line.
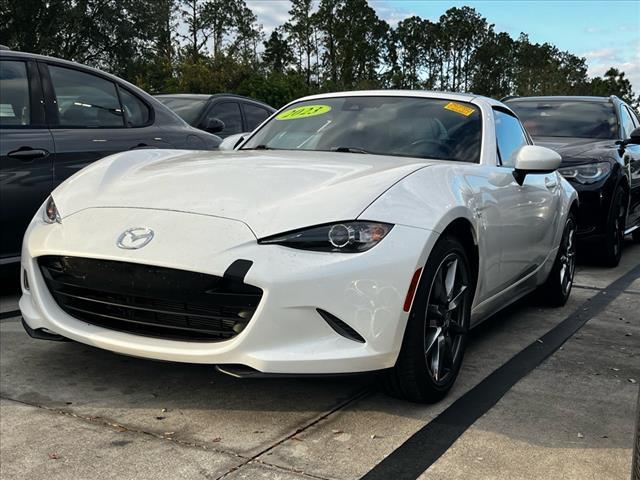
pixel 340 327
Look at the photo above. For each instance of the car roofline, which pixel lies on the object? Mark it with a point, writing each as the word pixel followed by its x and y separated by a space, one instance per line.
pixel 561 98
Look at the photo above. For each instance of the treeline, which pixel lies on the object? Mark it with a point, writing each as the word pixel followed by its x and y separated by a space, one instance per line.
pixel 206 46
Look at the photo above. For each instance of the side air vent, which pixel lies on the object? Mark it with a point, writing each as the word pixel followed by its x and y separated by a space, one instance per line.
pixel 340 327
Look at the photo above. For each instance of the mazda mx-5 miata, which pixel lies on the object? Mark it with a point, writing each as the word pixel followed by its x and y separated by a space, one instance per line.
pixel 351 232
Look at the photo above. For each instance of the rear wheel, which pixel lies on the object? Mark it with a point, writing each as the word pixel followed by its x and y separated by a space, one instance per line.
pixel 614 234
pixel 557 288
pixel 436 334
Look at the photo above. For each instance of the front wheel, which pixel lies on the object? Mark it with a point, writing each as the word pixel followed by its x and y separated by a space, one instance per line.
pixel 557 288
pixel 436 334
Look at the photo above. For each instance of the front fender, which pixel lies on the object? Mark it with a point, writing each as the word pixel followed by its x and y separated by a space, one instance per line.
pixel 430 198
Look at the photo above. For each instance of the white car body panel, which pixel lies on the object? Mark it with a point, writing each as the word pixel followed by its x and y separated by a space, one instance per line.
pixel 209 209
pixel 288 190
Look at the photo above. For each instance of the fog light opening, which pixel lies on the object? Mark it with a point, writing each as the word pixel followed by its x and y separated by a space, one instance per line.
pixel 239 327
pixel 25 280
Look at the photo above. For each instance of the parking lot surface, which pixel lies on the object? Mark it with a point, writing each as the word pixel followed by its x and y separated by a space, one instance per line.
pixel 70 411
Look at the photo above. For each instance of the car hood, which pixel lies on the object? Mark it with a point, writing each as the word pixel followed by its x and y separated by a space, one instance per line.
pixel 270 191
pixel 578 150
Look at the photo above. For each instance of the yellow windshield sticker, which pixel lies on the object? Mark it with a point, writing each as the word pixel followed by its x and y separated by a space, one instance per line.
pixel 459 108
pixel 303 112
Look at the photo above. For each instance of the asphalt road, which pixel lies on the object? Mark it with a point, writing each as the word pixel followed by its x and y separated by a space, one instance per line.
pixel 69 411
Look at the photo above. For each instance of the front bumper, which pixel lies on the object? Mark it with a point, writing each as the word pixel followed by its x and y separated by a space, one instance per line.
pixel 593 210
pixel 286 333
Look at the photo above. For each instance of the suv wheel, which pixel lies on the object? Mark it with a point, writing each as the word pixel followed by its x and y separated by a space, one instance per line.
pixel 614 234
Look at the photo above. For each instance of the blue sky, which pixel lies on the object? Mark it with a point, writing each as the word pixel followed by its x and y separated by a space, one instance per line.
pixel 606 33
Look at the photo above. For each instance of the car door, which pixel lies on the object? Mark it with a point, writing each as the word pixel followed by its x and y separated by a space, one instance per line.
pixel 529 213
pixel 26 152
pixel 254 115
pixel 229 112
pixel 92 117
pixel 631 158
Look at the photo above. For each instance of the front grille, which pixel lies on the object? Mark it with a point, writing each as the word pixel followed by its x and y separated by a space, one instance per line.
pixel 149 300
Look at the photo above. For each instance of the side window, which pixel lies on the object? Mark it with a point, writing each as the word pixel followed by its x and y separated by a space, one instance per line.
pixel 229 113
pixel 14 94
pixel 254 115
pixel 136 112
pixel 510 136
pixel 626 122
pixel 85 100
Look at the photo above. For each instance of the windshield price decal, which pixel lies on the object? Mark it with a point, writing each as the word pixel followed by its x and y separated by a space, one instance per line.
pixel 459 108
pixel 303 112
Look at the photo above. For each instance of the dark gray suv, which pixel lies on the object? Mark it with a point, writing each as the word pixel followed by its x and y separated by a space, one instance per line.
pixel 56 117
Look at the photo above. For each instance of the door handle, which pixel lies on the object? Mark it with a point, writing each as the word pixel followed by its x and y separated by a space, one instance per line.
pixel 550 183
pixel 26 154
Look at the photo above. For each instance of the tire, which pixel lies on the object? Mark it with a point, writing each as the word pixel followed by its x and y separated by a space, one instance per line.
pixel 636 235
pixel 557 288
pixel 437 329
pixel 614 233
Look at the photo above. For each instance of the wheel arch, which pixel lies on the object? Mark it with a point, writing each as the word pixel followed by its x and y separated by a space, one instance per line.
pixel 462 229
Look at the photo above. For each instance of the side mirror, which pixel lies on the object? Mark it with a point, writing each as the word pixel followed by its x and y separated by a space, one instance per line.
pixel 634 138
pixel 534 159
pixel 214 125
pixel 232 141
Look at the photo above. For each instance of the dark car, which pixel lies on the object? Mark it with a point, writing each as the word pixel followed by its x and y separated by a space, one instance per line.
pixel 55 118
pixel 598 138
pixel 223 114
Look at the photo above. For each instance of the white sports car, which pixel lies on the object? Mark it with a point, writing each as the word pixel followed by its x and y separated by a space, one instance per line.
pixel 351 232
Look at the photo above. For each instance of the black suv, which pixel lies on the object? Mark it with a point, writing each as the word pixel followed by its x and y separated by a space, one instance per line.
pixel 55 118
pixel 598 138
pixel 223 113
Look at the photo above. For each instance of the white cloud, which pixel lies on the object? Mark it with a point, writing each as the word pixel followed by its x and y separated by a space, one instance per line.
pixel 600 60
pixel 609 54
pixel 270 13
pixel 390 13
pixel 595 30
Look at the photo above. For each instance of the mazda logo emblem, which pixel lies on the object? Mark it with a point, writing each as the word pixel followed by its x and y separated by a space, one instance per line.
pixel 135 238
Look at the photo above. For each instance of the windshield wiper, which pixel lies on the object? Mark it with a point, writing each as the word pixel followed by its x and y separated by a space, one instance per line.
pixel 348 150
pixel 258 147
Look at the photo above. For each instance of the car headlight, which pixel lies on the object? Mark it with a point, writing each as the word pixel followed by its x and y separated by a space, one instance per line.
pixel 50 213
pixel 588 173
pixel 346 237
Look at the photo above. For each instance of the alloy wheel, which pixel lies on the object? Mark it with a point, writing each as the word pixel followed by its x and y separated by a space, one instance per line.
pixel 618 229
pixel 445 323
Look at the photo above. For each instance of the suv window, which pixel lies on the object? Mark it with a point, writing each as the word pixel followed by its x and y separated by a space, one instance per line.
pixel 85 100
pixel 567 118
pixel 626 122
pixel 14 94
pixel 229 113
pixel 509 135
pixel 136 112
pixel 254 115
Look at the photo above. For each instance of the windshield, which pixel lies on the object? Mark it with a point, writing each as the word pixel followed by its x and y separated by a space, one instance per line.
pixel 384 125
pixel 559 118
pixel 187 108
